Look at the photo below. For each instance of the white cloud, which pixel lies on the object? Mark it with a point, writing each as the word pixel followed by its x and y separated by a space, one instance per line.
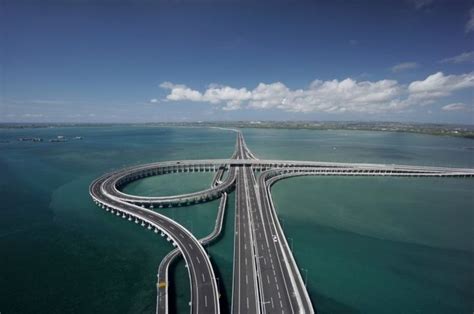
pixel 181 92
pixel 154 100
pixel 327 96
pixel 332 96
pixel 215 94
pixel 456 107
pixel 440 85
pixel 470 22
pixel 462 58
pixel 404 66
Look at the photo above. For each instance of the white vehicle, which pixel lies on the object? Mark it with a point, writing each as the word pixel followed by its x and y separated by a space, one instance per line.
pixel 275 239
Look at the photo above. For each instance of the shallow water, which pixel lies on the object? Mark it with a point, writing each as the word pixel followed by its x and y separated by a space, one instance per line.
pixel 170 184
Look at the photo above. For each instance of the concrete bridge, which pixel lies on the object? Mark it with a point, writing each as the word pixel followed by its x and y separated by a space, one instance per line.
pixel 266 278
pixel 116 181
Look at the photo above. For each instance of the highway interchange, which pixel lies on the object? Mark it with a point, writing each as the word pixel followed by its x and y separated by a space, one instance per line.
pixel 266 278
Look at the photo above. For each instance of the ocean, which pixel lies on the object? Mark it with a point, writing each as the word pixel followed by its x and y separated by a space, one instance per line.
pixel 365 245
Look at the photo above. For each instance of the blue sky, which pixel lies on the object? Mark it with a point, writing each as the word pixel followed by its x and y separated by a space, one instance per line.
pixel 192 60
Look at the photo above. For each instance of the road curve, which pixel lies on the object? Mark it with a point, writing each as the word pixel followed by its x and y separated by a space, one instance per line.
pixel 204 291
pixel 137 172
pixel 162 302
pixel 259 237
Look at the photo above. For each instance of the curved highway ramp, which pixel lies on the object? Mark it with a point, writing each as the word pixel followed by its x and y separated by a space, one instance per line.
pixel 266 277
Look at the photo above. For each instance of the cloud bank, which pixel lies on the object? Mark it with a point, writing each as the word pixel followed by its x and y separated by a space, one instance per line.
pixel 332 96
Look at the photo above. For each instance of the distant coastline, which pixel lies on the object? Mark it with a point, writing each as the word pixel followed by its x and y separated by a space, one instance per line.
pixel 466 131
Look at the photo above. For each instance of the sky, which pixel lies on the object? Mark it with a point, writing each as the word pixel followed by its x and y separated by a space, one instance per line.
pixel 208 60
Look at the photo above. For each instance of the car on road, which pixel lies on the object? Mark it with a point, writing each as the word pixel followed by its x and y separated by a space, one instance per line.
pixel 275 239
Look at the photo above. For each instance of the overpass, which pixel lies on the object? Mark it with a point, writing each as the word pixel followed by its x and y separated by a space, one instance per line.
pixel 266 277
pixel 204 292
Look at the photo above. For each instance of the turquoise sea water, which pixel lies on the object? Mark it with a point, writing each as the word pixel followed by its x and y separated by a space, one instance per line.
pixel 160 185
pixel 369 245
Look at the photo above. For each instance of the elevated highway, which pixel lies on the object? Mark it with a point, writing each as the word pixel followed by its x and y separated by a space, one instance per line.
pixel 204 292
pixel 245 289
pixel 119 179
pixel 266 278
pixel 162 302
